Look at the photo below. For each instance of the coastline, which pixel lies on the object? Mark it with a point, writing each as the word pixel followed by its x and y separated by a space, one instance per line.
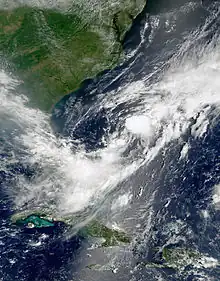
pixel 55 54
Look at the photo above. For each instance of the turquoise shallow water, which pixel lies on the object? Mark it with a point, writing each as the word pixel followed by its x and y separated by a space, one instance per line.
pixel 137 146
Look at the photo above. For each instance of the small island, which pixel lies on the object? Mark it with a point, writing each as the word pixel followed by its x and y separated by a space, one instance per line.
pixel 92 229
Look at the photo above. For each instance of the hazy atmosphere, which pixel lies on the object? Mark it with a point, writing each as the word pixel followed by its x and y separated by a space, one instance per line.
pixel 109 140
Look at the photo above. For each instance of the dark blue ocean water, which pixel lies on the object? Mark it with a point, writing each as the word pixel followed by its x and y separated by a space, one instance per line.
pixel 185 185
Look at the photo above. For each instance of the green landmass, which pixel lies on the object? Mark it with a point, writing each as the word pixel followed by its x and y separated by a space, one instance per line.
pixel 112 237
pixel 35 221
pixel 53 51
pixel 178 258
pixel 93 229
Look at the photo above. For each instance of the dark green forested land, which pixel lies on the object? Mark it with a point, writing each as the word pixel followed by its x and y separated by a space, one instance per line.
pixel 53 51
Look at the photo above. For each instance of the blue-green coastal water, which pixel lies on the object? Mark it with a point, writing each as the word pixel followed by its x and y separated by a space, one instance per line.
pixel 137 148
